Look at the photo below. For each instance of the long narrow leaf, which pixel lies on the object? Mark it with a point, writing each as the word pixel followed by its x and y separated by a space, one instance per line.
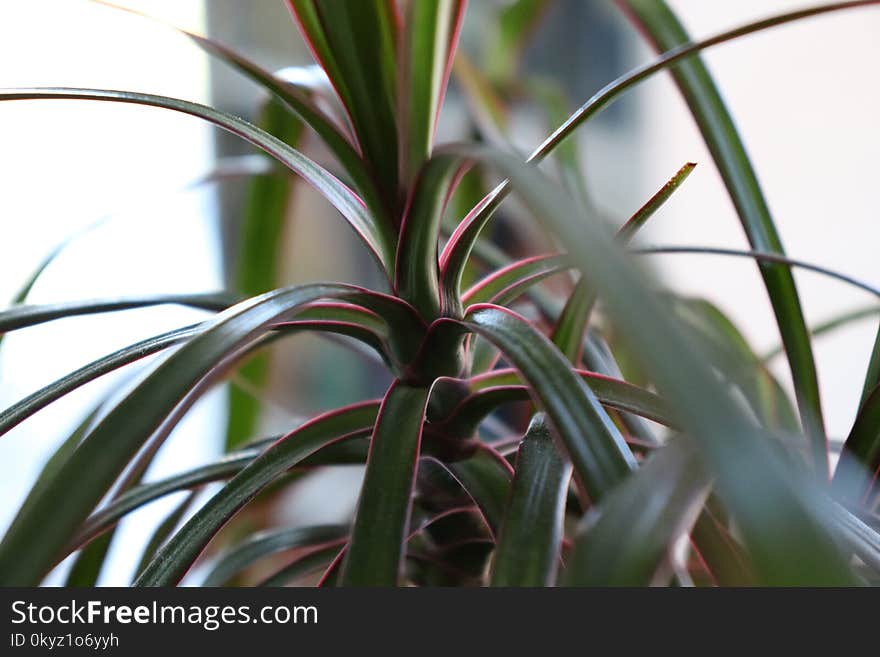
pixel 859 463
pixel 179 553
pixel 352 208
pixel 828 326
pixel 430 35
pixel 355 43
pixel 376 547
pixel 416 267
pixel 19 317
pixel 762 257
pixel 527 553
pixel 266 543
pixel 164 530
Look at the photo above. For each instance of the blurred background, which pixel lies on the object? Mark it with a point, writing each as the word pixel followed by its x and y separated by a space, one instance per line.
pixel 120 178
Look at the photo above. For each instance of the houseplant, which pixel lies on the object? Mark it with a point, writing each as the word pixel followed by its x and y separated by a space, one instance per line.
pixel 736 491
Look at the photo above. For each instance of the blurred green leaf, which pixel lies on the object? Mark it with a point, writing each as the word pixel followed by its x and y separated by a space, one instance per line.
pixel 257 262
pixel 512 27
pixel 859 463
pixel 764 393
pixel 265 543
pixel 487 108
pixel 628 539
pixel 310 562
pixel 829 326
pixel 665 31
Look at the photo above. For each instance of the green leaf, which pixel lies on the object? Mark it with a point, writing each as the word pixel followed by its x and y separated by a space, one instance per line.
pixel 373 232
pixel 856 473
pixel 164 530
pixel 87 566
pixel 35 538
pixel 23 316
pixel 310 562
pixel 430 35
pixel 628 539
pixel 665 31
pixel 356 45
pixel 60 456
pixel 416 267
pixel 723 555
pixel 265 543
pixel 504 285
pixel 599 453
pixel 527 553
pixel 765 395
pixel 872 376
pixel 179 553
pixel 378 536
pixel 761 257
pixel 785 521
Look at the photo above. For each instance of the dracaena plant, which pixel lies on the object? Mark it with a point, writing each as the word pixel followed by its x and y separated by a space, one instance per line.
pixel 733 489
